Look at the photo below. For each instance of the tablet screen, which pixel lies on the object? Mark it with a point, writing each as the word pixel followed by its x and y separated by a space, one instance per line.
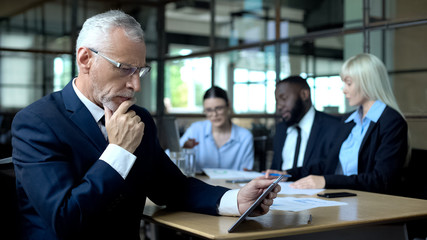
pixel 256 203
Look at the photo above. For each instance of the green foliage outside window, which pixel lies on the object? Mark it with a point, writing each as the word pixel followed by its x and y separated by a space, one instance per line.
pixel 175 88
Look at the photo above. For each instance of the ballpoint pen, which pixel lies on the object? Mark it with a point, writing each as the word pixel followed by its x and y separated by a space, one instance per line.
pixel 278 175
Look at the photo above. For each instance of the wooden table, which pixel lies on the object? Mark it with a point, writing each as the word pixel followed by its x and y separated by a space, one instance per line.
pixel 367 216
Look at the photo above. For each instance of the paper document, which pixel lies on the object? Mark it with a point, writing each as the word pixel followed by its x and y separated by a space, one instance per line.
pixel 299 204
pixel 219 173
pixel 286 189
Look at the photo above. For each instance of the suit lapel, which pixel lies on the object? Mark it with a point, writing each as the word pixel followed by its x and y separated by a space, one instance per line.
pixel 282 142
pixel 81 116
pixel 283 136
pixel 367 135
pixel 313 135
pixel 372 126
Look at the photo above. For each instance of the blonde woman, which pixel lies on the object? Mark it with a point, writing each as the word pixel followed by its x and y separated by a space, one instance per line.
pixel 372 142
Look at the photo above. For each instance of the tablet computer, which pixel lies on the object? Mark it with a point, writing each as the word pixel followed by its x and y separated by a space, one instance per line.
pixel 256 203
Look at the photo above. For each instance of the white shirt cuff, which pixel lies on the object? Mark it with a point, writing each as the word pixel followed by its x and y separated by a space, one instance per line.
pixel 119 159
pixel 228 204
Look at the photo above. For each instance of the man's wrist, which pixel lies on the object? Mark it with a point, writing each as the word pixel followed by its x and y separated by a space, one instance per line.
pixel 119 159
pixel 228 204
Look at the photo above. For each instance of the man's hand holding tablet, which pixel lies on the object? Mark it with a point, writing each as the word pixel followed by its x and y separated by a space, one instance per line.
pixel 256 197
pixel 251 191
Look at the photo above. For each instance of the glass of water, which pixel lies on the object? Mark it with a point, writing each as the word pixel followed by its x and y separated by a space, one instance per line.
pixel 190 162
pixel 179 159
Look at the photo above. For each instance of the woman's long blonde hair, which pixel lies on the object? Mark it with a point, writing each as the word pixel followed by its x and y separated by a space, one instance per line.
pixel 371 78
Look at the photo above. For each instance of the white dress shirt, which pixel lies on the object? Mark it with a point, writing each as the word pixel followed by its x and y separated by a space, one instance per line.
pixel 288 151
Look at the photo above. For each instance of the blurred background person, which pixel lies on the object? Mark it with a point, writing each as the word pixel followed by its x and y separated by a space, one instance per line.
pixel 372 143
pixel 217 142
pixel 304 133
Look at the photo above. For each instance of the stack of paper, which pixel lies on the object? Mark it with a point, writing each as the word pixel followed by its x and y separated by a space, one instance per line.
pixel 219 173
pixel 286 189
pixel 299 204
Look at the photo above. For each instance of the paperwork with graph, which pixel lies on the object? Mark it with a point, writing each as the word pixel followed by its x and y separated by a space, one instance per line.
pixel 288 190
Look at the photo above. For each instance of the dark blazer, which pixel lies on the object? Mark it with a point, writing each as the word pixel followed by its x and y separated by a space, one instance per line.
pixel 66 192
pixel 382 155
pixel 320 139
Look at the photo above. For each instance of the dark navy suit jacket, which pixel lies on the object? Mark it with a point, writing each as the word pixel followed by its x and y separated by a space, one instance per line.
pixel 381 158
pixel 66 192
pixel 318 144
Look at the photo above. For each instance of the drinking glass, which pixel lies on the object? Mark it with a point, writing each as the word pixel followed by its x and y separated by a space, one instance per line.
pixel 190 162
pixel 179 159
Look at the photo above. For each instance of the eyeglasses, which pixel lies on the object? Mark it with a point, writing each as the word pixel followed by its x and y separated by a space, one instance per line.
pixel 217 110
pixel 125 69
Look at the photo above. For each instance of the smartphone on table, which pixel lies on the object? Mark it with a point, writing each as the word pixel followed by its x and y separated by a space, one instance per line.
pixel 337 194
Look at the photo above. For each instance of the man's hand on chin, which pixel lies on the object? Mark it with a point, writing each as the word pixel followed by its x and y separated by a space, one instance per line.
pixel 124 128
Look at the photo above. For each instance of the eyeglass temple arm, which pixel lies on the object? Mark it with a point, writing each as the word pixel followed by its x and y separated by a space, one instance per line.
pixel 117 64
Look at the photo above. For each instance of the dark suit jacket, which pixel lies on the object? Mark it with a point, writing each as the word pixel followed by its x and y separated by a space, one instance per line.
pixel 318 144
pixel 381 156
pixel 66 192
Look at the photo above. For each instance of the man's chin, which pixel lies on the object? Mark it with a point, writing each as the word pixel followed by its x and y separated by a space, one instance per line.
pixel 289 121
pixel 286 119
pixel 111 105
pixel 114 105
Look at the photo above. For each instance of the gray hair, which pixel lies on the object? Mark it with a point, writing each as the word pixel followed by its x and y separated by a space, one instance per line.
pixel 371 78
pixel 96 30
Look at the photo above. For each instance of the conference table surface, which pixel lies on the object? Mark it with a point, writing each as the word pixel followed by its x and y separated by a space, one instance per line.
pixel 366 209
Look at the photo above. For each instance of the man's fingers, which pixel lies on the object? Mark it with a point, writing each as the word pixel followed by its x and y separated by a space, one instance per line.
pixel 137 118
pixel 131 113
pixel 107 113
pixel 268 201
pixel 260 210
pixel 124 106
pixel 277 189
pixel 262 182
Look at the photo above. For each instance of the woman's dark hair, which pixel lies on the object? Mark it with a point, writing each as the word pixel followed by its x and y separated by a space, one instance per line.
pixel 216 92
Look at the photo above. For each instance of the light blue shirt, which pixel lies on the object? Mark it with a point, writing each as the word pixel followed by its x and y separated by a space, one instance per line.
pixel 237 153
pixel 349 152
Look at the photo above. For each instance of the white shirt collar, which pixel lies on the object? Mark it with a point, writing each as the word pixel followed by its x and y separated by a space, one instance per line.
pixel 94 109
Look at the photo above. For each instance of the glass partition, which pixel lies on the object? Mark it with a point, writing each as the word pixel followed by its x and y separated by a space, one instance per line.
pixel 62 71
pixel 249 77
pixel 21 75
pixel 187 27
pixel 186 81
pixel 397 10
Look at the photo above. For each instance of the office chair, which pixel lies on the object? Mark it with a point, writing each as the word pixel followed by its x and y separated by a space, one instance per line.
pixel 8 199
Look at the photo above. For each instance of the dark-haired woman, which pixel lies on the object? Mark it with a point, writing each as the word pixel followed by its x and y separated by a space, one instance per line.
pixel 217 142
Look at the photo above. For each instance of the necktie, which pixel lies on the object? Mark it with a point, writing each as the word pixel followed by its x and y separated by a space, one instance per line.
pixel 102 126
pixel 297 147
pixel 102 120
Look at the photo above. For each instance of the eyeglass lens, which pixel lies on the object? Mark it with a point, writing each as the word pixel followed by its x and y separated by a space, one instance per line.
pixel 217 110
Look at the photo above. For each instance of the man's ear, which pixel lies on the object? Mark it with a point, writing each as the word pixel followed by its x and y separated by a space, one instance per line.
pixel 84 59
pixel 304 94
